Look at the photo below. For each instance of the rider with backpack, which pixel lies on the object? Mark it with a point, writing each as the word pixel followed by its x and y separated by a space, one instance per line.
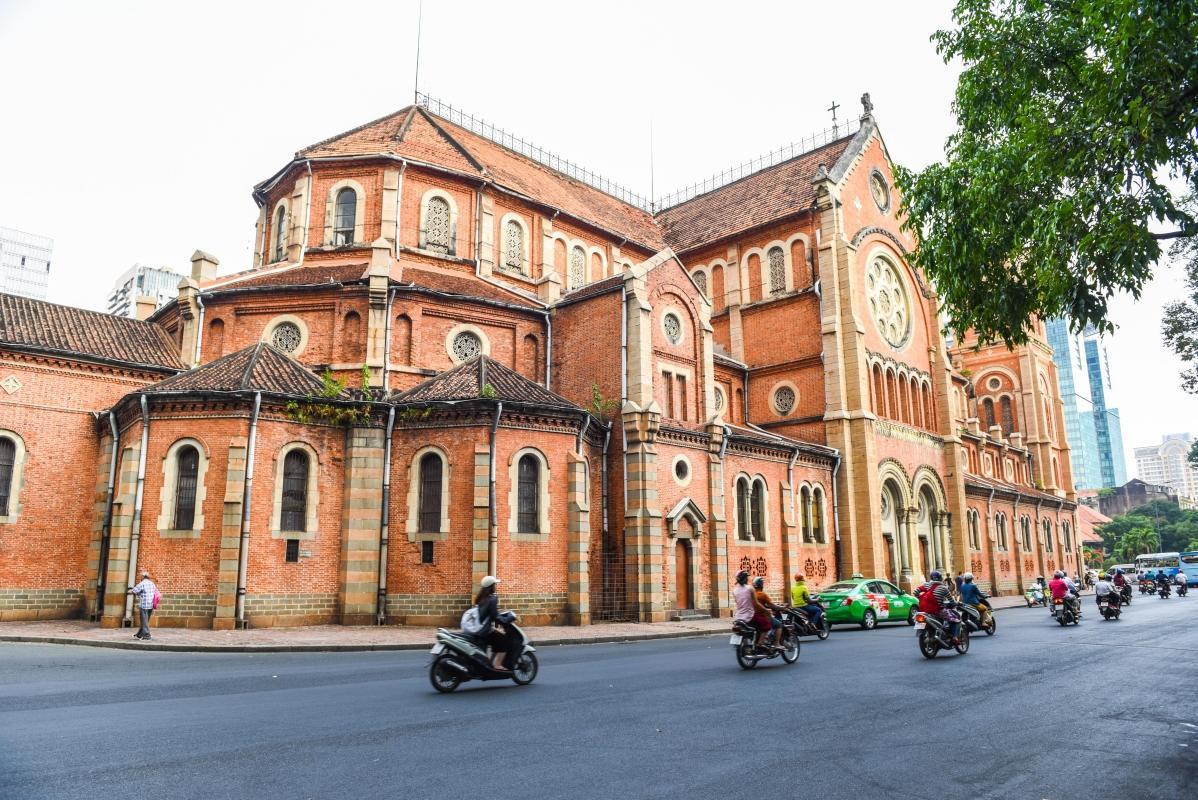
pixel 483 622
pixel 936 599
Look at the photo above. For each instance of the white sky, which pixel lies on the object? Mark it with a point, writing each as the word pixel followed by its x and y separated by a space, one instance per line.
pixel 133 132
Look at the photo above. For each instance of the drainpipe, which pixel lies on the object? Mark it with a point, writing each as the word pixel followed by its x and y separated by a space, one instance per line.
pixel 586 423
pixel 790 478
pixel 624 391
pixel 243 549
pixel 199 330
pixel 724 443
pixel 836 518
pixel 106 531
pixel 403 166
pixel 387 343
pixel 307 217
pixel 604 480
pixel 493 534
pixel 548 351
pixel 1040 546
pixel 135 534
pixel 745 401
pixel 994 549
pixel 385 525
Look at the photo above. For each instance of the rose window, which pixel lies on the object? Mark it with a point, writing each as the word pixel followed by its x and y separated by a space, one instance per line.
pixel 466 345
pixel 880 191
pixel 286 336
pixel 784 400
pixel 673 328
pixel 888 301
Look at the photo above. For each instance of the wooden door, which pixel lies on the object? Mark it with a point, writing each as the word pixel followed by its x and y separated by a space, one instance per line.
pixel 682 574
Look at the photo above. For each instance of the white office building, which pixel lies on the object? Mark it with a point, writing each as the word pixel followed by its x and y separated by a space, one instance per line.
pixel 1167 464
pixel 139 281
pixel 25 263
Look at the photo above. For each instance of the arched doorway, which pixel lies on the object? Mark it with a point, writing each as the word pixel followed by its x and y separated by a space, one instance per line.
pixel 893 538
pixel 928 512
pixel 684 595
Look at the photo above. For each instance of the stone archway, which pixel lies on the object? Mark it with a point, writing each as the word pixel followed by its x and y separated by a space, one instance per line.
pixel 893 514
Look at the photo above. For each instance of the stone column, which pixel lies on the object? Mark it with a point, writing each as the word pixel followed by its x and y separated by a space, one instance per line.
pixel 579 542
pixel 100 507
pixel 230 537
pixel 297 237
pixel 486 239
pixel 378 277
pixel 717 523
pixel 904 547
pixel 480 565
pixel 390 212
pixel 642 517
pixel 361 525
pixel 790 533
pixel 116 582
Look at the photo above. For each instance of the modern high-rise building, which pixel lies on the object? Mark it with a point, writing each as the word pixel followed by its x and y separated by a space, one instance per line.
pixel 1094 429
pixel 1167 463
pixel 25 263
pixel 139 281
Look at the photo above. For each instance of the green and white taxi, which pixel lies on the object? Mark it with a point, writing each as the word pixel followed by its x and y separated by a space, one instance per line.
pixel 866 602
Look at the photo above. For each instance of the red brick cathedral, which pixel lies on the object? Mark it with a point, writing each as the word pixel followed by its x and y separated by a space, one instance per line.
pixel 456 356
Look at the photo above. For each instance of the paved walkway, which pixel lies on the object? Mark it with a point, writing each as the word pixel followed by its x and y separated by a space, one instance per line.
pixel 348 638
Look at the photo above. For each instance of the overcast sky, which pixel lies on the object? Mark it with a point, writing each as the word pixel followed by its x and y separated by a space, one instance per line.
pixel 133 132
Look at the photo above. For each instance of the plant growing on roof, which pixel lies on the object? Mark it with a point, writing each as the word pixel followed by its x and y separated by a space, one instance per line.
pixel 326 405
pixel 488 392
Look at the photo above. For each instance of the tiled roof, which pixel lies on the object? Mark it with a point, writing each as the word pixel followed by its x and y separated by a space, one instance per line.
pixel 1087 520
pixel 63 330
pixel 415 133
pixel 259 367
pixel 466 382
pixel 292 276
pixel 989 483
pixel 754 200
pixel 599 287
pixel 465 285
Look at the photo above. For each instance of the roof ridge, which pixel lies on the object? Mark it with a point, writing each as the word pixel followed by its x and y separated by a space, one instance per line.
pixel 248 373
pixel 363 126
pixel 407 124
pixel 461 148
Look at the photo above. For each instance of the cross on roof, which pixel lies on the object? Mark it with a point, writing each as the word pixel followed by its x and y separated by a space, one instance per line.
pixel 833 108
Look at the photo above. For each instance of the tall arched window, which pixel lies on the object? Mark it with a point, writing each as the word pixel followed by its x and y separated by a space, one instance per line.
pixel 757 511
pixel 1000 523
pixel 1025 530
pixel 879 392
pixel 1047 526
pixel 701 282
pixel 513 247
pixel 8 459
pixel 805 513
pixel 294 515
pixel 528 514
pixel 280 234
pixel 187 472
pixel 742 509
pixel 438 227
pixel 1008 415
pixel 975 538
pixel 431 486
pixel 988 413
pixel 344 213
pixel 817 516
pixel 578 267
pixel 777 266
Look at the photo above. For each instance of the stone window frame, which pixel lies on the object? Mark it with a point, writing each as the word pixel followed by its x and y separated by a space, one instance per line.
pixel 273 245
pixel 359 212
pixel 311 512
pixel 907 282
pixel 543 499
pixel 413 522
pixel 719 400
pixel 774 396
pixel 690 470
pixel 501 262
pixel 684 319
pixel 703 270
pixel 973 526
pixel 876 174
pixel 1025 533
pixel 819 505
pixel 422 240
pixel 465 327
pixel 170 484
pixel 753 481
pixel 1046 528
pixel 19 457
pixel 269 329
pixel 1001 539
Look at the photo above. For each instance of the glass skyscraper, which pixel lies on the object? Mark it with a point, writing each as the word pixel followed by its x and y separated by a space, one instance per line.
pixel 25 263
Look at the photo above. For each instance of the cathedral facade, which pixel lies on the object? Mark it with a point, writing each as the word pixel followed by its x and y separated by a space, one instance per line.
pixel 454 356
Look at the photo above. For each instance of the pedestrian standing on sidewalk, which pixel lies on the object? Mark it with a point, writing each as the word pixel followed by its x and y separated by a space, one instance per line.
pixel 147 600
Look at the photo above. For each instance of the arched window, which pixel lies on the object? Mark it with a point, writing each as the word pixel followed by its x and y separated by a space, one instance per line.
pixel 8 460
pixel 344 214
pixel 295 492
pixel 988 414
pixel 1067 537
pixel 578 267
pixel 216 338
pixel 757 511
pixel 805 513
pixel 1047 526
pixel 351 332
pixel 1000 522
pixel 817 516
pixel 879 392
pixel 438 226
pixel 187 472
pixel 975 538
pixel 742 509
pixel 528 514
pixel 1008 415
pixel 777 265
pixel 431 486
pixel 700 281
pixel 280 234
pixel 513 247
pixel 1025 525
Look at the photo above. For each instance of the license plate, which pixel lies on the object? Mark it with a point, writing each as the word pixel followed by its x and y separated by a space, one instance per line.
pixel 919 626
pixel 1102 605
pixel 438 649
pixel 735 639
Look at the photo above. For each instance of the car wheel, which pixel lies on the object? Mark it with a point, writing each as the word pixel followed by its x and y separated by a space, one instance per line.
pixel 869 620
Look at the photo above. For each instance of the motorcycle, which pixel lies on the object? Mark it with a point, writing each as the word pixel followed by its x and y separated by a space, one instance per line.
pixel 1064 612
pixel 971 618
pixel 748 654
pixel 1108 606
pixel 458 658
pixel 1183 588
pixel 805 627
pixel 1147 587
pixel 932 635
pixel 1125 594
pixel 1164 590
pixel 1034 596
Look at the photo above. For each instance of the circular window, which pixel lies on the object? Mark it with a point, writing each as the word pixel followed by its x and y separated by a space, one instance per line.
pixel 880 191
pixel 673 328
pixel 994 384
pixel 784 400
pixel 719 399
pixel 888 301
pixel 681 470
pixel 286 336
pixel 466 345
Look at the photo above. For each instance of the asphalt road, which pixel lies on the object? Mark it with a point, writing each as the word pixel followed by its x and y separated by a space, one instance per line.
pixel 1106 709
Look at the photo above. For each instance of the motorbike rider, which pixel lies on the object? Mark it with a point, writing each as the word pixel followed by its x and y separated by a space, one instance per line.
pixel 748 607
pixel 1162 580
pixel 503 642
pixel 936 599
pixel 800 597
pixel 972 594
pixel 1107 588
pixel 769 606
pixel 1062 589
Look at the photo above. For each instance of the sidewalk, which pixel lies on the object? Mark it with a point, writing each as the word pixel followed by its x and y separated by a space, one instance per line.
pixel 341 638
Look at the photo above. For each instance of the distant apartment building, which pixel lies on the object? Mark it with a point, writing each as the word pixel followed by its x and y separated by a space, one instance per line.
pixel 1094 428
pixel 25 263
pixel 1167 463
pixel 139 281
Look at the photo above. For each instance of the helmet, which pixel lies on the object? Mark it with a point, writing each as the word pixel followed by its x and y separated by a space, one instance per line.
pixel 742 576
pixel 935 575
pixel 967 577
pixel 1118 571
pixel 1058 574
pixel 758 582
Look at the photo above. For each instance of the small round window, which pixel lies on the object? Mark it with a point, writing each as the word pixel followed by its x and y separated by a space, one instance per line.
pixel 784 400
pixel 719 399
pixel 673 328
pixel 994 384
pixel 682 470
pixel 880 191
pixel 466 345
pixel 286 336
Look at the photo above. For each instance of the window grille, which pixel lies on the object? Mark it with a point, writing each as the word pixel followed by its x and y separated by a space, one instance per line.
pixel 286 336
pixel 1008 416
pixel 701 282
pixel 438 233
pixel 280 234
pixel 777 261
pixel 466 345
pixel 344 214
pixel 292 556
pixel 513 247
pixel 8 457
pixel 817 517
pixel 784 400
pixel 426 552
pixel 758 511
pixel 673 328
pixel 431 474
pixel 578 267
pixel 188 466
pixel 528 473
pixel 742 510
pixel 294 516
